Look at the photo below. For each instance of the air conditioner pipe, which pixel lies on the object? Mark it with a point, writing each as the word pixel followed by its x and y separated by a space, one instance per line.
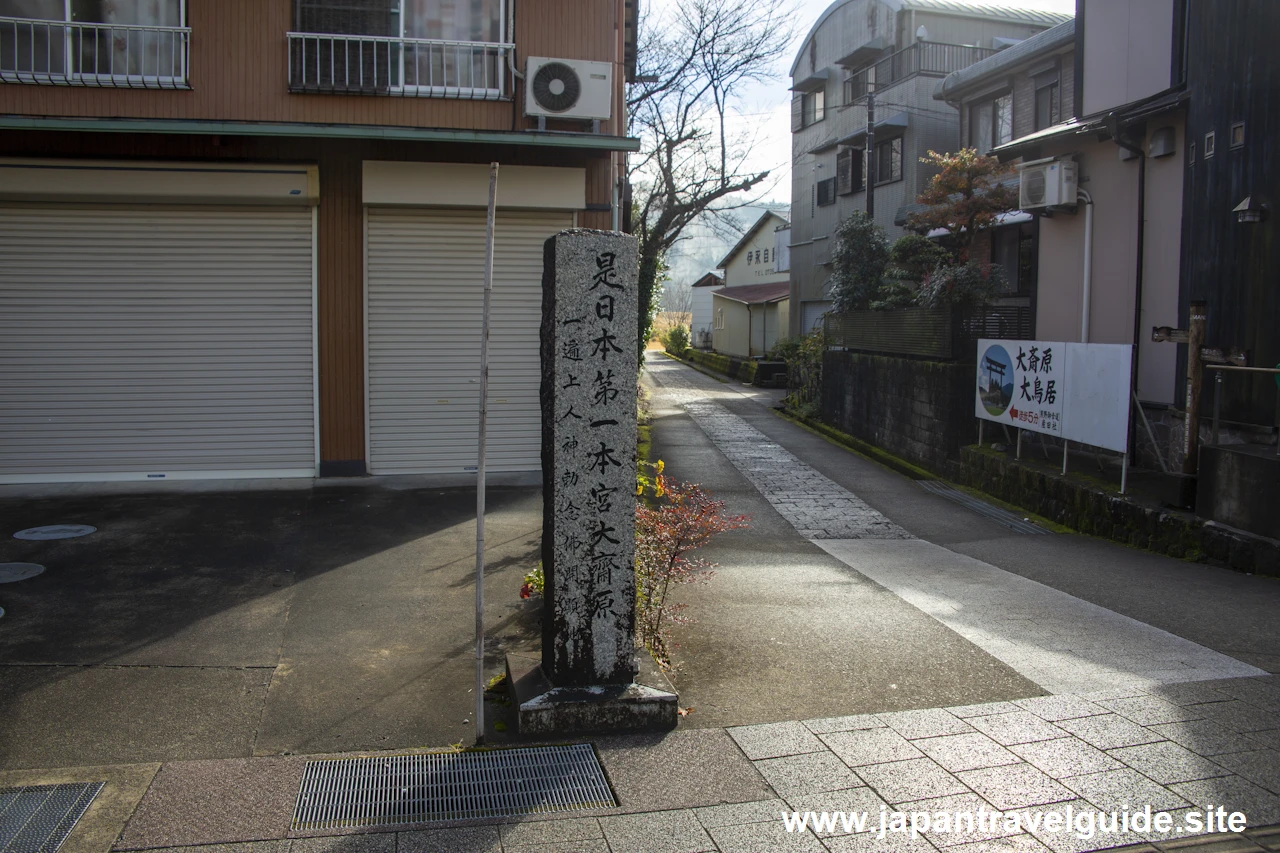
pixel 1087 294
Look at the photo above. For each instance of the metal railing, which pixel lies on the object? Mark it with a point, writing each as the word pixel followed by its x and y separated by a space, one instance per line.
pixel 386 65
pixel 123 56
pixel 948 333
pixel 1217 395
pixel 930 58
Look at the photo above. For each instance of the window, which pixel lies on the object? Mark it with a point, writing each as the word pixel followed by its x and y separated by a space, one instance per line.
pixel 403 48
pixel 1208 144
pixel 889 161
pixel 1047 107
pixel 991 123
pixel 719 324
pixel 1237 135
pixel 849 171
pixel 1013 247
pixel 827 192
pixel 124 43
pixel 814 107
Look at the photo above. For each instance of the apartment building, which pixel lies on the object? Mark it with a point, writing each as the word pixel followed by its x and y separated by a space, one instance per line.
pixel 897 50
pixel 245 238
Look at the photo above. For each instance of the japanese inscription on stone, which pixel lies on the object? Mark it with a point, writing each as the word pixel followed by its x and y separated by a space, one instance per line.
pixel 589 362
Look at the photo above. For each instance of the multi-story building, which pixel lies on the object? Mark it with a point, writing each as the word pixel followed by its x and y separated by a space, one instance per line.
pixel 246 238
pixel 897 50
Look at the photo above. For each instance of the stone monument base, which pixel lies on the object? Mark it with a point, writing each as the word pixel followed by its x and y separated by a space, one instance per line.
pixel 648 704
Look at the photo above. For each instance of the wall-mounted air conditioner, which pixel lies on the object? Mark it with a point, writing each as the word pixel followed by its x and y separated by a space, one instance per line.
pixel 1047 183
pixel 568 88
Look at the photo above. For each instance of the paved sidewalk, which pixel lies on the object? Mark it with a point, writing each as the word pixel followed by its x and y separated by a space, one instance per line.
pixel 1098 678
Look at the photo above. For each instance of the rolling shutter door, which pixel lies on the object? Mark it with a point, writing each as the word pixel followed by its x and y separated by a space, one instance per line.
pixel 812 317
pixel 155 342
pixel 425 298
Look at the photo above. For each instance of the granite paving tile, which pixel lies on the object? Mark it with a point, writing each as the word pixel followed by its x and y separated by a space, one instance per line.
pixel 365 842
pixel 1175 831
pixel 1015 786
pixel 1190 693
pixel 1269 738
pixel 966 752
pixel 844 724
pixel 1222 842
pixel 1166 762
pixel 1124 789
pixel 534 832
pixel 733 813
pixel 871 746
pixel 1267 836
pixel 849 800
pixel 586 845
pixel 1067 756
pixel 965 817
pixel 1205 737
pixel 759 837
pixel 903 781
pixel 1064 707
pixel 1010 844
pixel 867 842
pixel 474 839
pixel 1239 715
pixel 932 722
pixel 772 740
pixel 1259 766
pixel 811 773
pixel 1066 838
pixel 1262 689
pixel 1018 727
pixel 1109 731
pixel 986 709
pixel 1150 710
pixel 656 832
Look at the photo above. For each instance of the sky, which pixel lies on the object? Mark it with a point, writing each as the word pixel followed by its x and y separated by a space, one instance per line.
pixel 766 110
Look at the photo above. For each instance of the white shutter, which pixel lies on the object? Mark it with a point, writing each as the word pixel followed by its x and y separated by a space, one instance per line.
pixel 425 297
pixel 812 318
pixel 155 342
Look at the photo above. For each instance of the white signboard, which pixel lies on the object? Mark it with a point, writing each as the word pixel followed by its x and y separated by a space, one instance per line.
pixel 1074 391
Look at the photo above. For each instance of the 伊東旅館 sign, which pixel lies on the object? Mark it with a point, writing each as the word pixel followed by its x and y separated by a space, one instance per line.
pixel 1078 392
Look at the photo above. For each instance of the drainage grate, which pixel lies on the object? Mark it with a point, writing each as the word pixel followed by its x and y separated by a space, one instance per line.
pixel 1000 516
pixel 14 572
pixel 38 818
pixel 55 531
pixel 450 786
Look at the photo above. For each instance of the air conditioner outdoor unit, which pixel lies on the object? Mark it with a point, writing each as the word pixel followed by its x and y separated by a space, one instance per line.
pixel 568 88
pixel 1047 183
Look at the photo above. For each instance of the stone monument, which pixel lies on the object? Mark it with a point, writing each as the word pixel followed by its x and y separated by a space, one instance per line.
pixel 587 677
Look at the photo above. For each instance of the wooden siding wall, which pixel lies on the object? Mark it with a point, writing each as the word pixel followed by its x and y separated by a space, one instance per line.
pixel 1233 72
pixel 239 68
pixel 340 241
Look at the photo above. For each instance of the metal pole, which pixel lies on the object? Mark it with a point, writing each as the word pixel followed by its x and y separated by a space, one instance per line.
pixel 484 402
pixel 871 152
pixel 1019 455
pixel 981 424
pixel 1217 402
pixel 1064 457
pixel 1195 376
pixel 1124 473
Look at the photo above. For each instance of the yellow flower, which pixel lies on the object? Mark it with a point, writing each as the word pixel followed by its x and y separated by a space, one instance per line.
pixel 659 466
pixel 639 488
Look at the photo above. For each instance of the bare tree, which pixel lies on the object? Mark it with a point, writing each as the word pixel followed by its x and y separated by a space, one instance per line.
pixel 678 298
pixel 698 54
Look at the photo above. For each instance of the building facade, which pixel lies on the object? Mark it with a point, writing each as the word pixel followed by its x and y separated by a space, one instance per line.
pixel 898 51
pixel 246 237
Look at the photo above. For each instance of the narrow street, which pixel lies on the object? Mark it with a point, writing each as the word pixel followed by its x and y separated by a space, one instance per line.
pixel 856 591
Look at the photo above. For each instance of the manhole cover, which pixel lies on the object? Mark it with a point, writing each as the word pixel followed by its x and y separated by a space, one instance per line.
pixel 55 531
pixel 453 786
pixel 38 818
pixel 14 572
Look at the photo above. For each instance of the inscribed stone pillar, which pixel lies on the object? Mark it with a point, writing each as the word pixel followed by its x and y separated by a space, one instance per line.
pixel 589 364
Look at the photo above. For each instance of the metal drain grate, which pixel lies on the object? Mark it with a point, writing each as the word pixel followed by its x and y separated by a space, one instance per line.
pixel 999 516
pixel 38 818
pixel 451 786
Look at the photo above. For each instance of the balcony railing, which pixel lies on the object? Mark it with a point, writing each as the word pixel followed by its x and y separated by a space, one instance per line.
pixel 86 54
pixel 930 58
pixel 380 65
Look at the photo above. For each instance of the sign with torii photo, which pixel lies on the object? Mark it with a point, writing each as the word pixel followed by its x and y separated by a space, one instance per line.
pixel 1078 392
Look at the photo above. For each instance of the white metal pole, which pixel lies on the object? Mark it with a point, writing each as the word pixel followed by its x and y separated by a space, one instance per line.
pixel 1087 284
pixel 484 402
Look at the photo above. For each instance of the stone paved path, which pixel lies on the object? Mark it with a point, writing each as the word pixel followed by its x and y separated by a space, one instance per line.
pixel 1061 642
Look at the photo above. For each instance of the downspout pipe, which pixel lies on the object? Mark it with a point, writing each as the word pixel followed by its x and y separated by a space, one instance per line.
pixel 1139 272
pixel 1087 284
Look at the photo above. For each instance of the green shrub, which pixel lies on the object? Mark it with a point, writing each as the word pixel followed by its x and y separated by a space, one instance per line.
pixel 964 284
pixel 675 340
